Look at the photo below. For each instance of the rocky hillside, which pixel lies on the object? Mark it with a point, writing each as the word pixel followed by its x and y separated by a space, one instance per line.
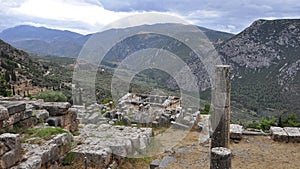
pixel 266 65
pixel 27 75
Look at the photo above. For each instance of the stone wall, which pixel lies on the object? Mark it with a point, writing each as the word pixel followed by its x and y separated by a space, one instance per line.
pixel 286 134
pixel 10 150
pixel 20 115
pixel 14 116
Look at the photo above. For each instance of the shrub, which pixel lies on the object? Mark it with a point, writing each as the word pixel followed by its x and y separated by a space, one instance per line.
pixel 263 124
pixel 291 121
pixel 52 96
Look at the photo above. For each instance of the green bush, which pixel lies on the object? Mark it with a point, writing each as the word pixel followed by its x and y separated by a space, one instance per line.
pixel 291 121
pixel 52 96
pixel 263 124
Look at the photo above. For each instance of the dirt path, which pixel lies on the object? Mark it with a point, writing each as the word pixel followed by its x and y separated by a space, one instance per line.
pixel 252 152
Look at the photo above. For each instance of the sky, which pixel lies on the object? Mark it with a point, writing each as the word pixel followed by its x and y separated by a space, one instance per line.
pixel 88 16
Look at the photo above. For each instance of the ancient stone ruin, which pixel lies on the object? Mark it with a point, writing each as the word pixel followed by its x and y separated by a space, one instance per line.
pixel 19 115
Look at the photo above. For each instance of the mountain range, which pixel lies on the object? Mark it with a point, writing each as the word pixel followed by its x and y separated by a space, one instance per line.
pixel 265 60
pixel 45 41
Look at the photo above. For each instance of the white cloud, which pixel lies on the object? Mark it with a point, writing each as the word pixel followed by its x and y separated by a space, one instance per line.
pixel 88 13
pixel 88 16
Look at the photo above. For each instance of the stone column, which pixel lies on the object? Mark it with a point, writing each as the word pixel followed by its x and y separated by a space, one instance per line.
pixel 220 158
pixel 220 118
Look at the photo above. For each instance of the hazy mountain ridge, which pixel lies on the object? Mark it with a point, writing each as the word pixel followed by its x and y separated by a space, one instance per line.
pixel 65 43
pixel 45 41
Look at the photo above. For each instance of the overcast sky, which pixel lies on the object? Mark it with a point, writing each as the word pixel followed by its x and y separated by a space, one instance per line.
pixel 87 16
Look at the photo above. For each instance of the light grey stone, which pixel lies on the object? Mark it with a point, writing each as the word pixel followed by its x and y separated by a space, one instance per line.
pixel 3 113
pixel 54 108
pixel 166 161
pixel 293 134
pixel 26 114
pixel 236 131
pixel 33 162
pixel 41 114
pixel 155 163
pixel 279 134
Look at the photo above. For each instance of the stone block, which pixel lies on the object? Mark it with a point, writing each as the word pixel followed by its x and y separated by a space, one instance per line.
pixel 41 114
pixel 180 126
pixel 48 153
pixel 54 108
pixel 15 107
pixel 14 118
pixel 11 149
pixel 26 114
pixel 293 134
pixel 279 134
pixel 34 162
pixel 3 113
pixel 70 121
pixel 27 123
pixel 236 131
pixel 96 155
pixel 63 141
pixel 126 121
pixel 166 161
pixel 94 118
pixel 155 163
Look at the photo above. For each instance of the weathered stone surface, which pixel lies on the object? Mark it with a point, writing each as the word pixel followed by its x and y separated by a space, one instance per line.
pixel 26 114
pixel 126 121
pixel 166 161
pixel 63 141
pixel 41 114
pixel 27 123
pixel 11 149
pixel 48 153
pixel 122 141
pixel 220 158
pixel 54 108
pixel 33 162
pixel 94 118
pixel 155 163
pixel 96 155
pixel 279 134
pixel 236 131
pixel 220 119
pixel 293 134
pixel 13 118
pixel 70 121
pixel 180 126
pixel 14 106
pixel 3 113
